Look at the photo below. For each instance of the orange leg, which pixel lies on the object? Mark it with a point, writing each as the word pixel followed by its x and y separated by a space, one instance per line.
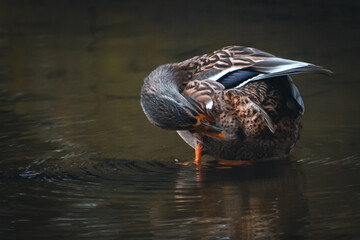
pixel 198 150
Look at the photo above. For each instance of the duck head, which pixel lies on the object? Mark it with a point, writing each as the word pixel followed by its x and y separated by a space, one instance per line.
pixel 166 107
pixel 162 102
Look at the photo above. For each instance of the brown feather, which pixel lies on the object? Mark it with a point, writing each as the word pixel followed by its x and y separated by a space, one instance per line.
pixel 261 119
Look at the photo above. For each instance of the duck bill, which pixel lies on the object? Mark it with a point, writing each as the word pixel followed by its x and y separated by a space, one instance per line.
pixel 212 134
pixel 207 126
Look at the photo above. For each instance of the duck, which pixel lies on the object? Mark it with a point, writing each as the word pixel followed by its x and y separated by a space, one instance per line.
pixel 236 103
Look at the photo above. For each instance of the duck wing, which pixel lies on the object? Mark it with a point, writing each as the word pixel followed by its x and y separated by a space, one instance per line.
pixel 235 66
pixel 248 63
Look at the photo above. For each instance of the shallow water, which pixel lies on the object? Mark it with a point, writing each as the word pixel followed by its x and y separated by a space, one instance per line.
pixel 78 158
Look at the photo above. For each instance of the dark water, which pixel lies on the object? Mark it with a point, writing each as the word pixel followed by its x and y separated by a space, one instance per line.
pixel 79 160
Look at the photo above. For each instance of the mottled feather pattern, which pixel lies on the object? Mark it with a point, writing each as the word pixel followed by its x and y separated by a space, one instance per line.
pixel 232 56
pixel 253 108
pixel 256 111
pixel 243 95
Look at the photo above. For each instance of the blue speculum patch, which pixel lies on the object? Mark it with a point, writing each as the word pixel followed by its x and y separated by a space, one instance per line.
pixel 235 78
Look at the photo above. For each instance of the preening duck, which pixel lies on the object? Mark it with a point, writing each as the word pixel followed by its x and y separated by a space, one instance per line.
pixel 237 103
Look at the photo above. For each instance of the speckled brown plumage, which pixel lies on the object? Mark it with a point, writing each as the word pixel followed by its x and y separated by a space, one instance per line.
pixel 256 119
pixel 235 103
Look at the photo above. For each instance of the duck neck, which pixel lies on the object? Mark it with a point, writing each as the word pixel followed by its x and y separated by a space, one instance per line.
pixel 162 101
pixel 165 79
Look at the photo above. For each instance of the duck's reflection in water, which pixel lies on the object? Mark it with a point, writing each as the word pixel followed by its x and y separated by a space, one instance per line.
pixel 263 201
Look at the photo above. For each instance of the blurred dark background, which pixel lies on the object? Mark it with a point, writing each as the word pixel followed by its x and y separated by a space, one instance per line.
pixel 78 158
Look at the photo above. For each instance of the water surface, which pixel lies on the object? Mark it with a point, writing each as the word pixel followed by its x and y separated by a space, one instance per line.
pixel 78 158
